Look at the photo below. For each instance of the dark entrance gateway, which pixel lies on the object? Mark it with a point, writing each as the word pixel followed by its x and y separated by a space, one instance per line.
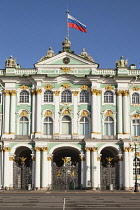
pixel 66 169
pixel 109 169
pixel 22 168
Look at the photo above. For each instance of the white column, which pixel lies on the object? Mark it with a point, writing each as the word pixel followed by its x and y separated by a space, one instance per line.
pixel 6 167
pixel 94 113
pixel 56 101
pixel 98 121
pixel 33 111
pixel 37 168
pixel 126 112
pixel 44 167
pixel 6 111
pixel 120 162
pixel 1 167
pixel 119 112
pixel 82 158
pixel 99 171
pixel 126 169
pixel 130 154
pixel 12 112
pixel 49 164
pixel 33 171
pixel 88 175
pixel 11 159
pixel 94 168
pixel 38 113
pixel 75 111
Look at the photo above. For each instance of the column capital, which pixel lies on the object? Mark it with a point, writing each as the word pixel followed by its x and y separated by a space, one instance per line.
pixel 11 158
pixel 37 149
pixel 87 149
pixel 75 93
pixel 13 92
pixel 49 158
pixel 44 149
pixel 94 149
pixel 57 92
pixel 93 91
pixel 125 92
pixel 33 92
pixel 38 91
pixel 6 149
pixel 119 92
pixel 7 92
pixel 98 158
pixel 125 149
pixel 98 92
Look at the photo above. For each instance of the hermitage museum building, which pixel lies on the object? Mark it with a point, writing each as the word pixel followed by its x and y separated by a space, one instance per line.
pixel 66 124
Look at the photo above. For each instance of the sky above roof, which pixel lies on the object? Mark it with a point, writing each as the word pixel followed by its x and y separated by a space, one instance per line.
pixel 30 27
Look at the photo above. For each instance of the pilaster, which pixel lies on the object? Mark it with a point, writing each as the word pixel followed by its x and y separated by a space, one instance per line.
pixel 88 172
pixel 57 102
pixel 94 168
pixel 38 113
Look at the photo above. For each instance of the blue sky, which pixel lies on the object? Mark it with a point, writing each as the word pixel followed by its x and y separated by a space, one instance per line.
pixel 30 27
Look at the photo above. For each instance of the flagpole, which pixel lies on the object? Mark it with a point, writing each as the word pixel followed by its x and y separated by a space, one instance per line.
pixel 67 32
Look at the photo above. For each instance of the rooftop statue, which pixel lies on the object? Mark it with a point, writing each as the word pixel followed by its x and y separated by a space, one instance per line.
pixel 122 62
pixel 49 54
pixel 86 55
pixel 11 62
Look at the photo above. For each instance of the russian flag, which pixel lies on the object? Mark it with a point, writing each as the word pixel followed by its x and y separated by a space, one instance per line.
pixel 73 23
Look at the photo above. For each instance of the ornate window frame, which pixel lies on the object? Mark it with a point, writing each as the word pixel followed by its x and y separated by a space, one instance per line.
pixel 114 97
pixel 18 97
pixel 21 113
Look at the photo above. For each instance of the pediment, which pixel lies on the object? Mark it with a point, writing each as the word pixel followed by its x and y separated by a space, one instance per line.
pixel 58 60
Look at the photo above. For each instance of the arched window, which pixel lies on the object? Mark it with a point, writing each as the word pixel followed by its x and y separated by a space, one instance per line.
pixel 84 126
pixel 136 127
pixel 108 97
pixel 48 126
pixel 109 126
pixel 66 125
pixel 84 96
pixel 48 96
pixel 135 98
pixel 23 126
pixel 24 97
pixel 66 96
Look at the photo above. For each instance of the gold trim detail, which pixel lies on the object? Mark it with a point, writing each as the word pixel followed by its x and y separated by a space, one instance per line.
pixel 109 159
pixel 135 88
pixel 98 92
pixel 56 134
pixel 66 159
pixel 75 93
pixel 6 149
pixel 33 158
pixel 66 69
pixel 37 149
pixel 87 149
pixel 109 113
pixel 49 158
pixel 98 158
pixel 84 113
pixel 137 154
pixel 82 158
pixel 13 92
pixel 57 92
pixel 48 113
pixel 125 92
pixel 109 87
pixel 84 87
pixel 125 149
pixel 48 87
pixel 120 158
pixel 38 91
pixel 7 92
pixel 75 133
pixel 94 149
pixel 119 92
pixel 23 113
pixel 11 158
pixel 33 92
pixel 23 87
pixel 93 91
pixel 136 116
pixel 66 85
pixel 22 159
pixel 44 149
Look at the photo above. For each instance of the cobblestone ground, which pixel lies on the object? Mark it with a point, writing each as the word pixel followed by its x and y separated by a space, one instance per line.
pixel 76 200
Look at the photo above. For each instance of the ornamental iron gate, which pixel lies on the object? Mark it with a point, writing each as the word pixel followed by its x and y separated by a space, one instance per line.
pixel 22 174
pixel 66 176
pixel 109 175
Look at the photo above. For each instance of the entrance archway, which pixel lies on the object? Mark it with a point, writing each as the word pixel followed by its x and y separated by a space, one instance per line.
pixel 66 169
pixel 22 168
pixel 109 169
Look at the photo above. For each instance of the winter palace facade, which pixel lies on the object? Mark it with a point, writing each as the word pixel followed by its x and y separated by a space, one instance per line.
pixel 67 124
